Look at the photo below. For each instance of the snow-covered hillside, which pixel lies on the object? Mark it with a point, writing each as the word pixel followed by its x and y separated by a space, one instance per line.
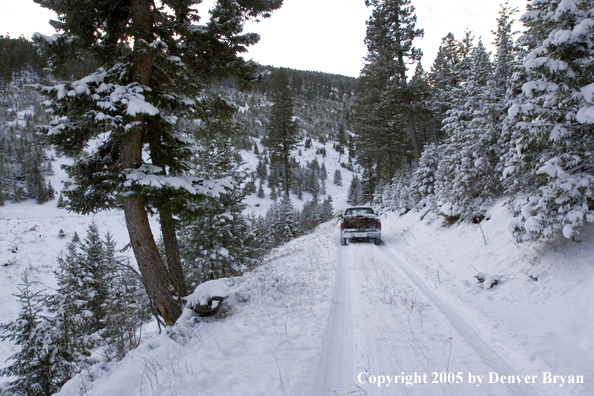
pixel 338 193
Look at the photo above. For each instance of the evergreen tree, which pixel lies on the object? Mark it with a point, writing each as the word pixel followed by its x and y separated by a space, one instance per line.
pixel 261 193
pixel 422 184
pixel 43 363
pixel 50 192
pixel 551 166
pixel 76 307
pixel 153 66
pixel 312 182
pixel 307 143
pixel 352 152
pixel 250 186
pixel 261 171
pixel 400 197
pixel 126 306
pixel 444 76
pixel 311 215
pixel 383 117
pixel 61 203
pixel 355 194
pixel 273 194
pixel 93 270
pixel 337 177
pixel 467 180
pixel 217 240
pixel 323 187
pixel 390 34
pixel 506 48
pixel 427 124
pixel 323 172
pixel 327 209
pixel 17 192
pixel 19 55
pixel 282 219
pixel 282 128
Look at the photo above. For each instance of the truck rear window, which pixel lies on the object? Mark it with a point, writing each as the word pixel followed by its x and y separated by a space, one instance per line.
pixel 358 211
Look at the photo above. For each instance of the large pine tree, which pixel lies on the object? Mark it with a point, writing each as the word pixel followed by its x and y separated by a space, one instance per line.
pixel 390 34
pixel 154 61
pixel 282 128
pixel 383 105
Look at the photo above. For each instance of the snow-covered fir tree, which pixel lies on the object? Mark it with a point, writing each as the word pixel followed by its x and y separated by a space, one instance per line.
pixel 44 362
pixel 152 72
pixel 126 306
pixel 466 178
pixel 355 193
pixel 422 184
pixel 282 219
pixel 260 194
pixel 396 196
pixel 551 167
pixel 311 215
pixel 337 177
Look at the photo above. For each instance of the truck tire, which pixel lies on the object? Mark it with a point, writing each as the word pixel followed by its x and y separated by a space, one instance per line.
pixel 344 241
pixel 378 241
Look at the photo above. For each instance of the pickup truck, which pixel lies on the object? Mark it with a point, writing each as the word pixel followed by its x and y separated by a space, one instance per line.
pixel 360 223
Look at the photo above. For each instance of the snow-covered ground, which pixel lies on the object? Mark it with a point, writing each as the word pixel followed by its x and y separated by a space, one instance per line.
pixel 318 318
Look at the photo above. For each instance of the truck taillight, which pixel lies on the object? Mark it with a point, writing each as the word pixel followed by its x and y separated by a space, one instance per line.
pixel 342 226
pixel 379 225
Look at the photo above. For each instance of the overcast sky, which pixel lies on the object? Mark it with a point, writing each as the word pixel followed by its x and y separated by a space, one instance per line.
pixel 322 35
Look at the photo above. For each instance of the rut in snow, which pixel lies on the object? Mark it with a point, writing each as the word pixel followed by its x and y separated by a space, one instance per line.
pixel 336 371
pixel 486 353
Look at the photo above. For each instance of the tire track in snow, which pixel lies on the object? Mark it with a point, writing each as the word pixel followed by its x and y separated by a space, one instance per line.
pixel 386 344
pixel 335 374
pixel 486 353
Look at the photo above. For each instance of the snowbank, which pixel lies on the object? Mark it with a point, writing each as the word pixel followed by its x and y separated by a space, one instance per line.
pixel 540 314
pixel 269 343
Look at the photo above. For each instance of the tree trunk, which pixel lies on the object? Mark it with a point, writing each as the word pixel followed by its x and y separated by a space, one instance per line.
pixel 413 135
pixel 378 172
pixel 411 120
pixel 174 265
pixel 286 163
pixel 154 273
pixel 150 264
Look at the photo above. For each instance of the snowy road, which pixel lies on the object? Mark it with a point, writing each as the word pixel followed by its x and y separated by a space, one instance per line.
pixel 388 334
